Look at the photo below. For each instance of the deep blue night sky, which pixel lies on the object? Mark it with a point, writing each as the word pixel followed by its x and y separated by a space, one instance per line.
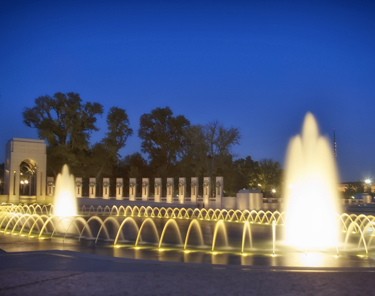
pixel 259 66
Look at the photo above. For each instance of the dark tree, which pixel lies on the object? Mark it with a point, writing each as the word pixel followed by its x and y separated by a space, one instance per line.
pixel 270 176
pixel 246 173
pixel 118 130
pixel 104 155
pixel 65 122
pixel 63 119
pixel 162 136
pixel 209 146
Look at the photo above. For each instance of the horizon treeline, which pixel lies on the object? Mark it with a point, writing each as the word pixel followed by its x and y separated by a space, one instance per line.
pixel 174 147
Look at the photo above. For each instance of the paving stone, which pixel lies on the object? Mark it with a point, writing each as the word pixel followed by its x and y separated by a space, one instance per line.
pixel 69 273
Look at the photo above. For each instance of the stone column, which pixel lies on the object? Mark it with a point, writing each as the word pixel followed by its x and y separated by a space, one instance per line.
pixel 50 186
pixel 14 189
pixel 219 191
pixel 119 188
pixel 92 187
pixel 132 188
pixel 181 190
pixel 170 189
pixel 145 188
pixel 157 189
pixel 79 187
pixel 206 191
pixel 194 185
pixel 106 185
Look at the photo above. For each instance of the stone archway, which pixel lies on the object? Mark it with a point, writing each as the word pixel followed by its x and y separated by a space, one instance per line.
pixel 25 159
pixel 28 178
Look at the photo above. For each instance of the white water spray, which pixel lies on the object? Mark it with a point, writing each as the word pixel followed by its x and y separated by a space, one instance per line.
pixel 311 190
pixel 65 201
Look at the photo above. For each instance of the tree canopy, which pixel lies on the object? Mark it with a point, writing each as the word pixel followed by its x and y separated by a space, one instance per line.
pixel 118 130
pixel 63 119
pixel 174 147
pixel 162 136
pixel 66 123
pixel 209 146
pixel 270 176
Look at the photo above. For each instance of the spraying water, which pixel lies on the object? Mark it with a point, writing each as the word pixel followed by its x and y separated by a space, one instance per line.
pixel 311 190
pixel 65 202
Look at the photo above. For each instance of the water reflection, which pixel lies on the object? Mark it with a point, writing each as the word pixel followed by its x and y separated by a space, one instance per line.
pixel 283 259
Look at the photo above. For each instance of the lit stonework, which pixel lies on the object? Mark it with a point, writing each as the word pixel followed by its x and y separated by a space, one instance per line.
pixel 32 153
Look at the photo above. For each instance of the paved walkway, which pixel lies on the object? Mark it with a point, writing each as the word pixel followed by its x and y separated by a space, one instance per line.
pixel 72 273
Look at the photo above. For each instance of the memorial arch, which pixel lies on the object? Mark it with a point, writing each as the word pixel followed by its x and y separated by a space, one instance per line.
pixel 25 170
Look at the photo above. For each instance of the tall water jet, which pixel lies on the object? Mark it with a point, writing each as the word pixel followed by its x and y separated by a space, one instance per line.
pixel 65 201
pixel 310 190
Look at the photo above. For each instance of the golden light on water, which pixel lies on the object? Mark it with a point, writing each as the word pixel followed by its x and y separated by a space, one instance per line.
pixel 312 259
pixel 312 200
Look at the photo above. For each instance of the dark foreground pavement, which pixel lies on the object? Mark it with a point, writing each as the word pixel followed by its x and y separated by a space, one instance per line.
pixel 73 273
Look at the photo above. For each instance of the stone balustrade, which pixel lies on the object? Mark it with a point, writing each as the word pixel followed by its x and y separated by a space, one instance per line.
pixel 169 190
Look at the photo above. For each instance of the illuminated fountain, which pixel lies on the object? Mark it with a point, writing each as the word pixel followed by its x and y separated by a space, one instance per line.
pixel 220 234
pixel 65 201
pixel 312 221
pixel 311 190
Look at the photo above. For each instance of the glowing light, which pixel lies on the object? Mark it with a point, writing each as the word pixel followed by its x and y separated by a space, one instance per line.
pixel 308 258
pixel 65 203
pixel 312 259
pixel 313 201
